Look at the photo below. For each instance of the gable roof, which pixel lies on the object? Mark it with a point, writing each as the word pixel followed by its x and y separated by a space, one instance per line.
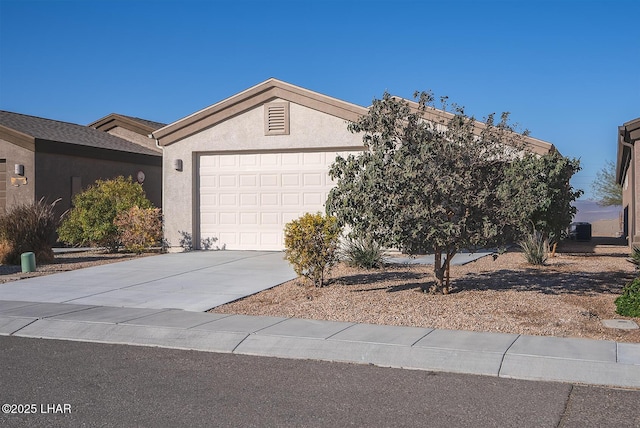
pixel 274 88
pixel 25 130
pixel 268 90
pixel 135 124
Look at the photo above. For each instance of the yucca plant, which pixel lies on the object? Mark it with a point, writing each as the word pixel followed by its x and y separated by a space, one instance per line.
pixel 363 253
pixel 535 248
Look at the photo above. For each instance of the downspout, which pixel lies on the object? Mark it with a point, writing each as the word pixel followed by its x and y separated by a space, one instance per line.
pixel 632 231
pixel 162 185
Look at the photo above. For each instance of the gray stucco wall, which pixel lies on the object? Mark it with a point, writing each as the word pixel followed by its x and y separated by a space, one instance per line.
pixel 18 193
pixel 309 129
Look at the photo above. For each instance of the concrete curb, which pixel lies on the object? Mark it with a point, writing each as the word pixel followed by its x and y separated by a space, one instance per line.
pixel 492 354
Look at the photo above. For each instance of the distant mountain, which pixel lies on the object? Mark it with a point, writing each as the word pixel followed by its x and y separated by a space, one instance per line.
pixel 589 211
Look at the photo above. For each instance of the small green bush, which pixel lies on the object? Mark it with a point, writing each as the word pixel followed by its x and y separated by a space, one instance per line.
pixel 91 220
pixel 363 253
pixel 535 248
pixel 139 228
pixel 28 228
pixel 311 246
pixel 628 304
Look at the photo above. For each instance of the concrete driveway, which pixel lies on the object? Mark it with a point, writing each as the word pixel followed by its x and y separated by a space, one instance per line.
pixel 194 281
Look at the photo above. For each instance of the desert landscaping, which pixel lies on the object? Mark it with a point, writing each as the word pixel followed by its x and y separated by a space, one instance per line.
pixel 567 297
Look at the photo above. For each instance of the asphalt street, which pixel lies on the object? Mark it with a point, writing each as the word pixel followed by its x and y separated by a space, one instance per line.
pixel 65 383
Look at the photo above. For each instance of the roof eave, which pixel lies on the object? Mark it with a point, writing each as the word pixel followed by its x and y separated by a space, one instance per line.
pixel 115 120
pixel 18 138
pixel 250 98
pixel 628 134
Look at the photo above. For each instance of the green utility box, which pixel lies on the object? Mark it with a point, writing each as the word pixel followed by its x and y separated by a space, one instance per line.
pixel 28 261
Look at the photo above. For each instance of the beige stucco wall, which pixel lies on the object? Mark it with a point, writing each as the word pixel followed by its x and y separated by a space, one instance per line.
pixel 134 137
pixel 309 130
pixel 18 193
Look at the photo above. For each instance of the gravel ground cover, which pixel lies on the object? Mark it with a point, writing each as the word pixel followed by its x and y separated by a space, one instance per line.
pixel 568 297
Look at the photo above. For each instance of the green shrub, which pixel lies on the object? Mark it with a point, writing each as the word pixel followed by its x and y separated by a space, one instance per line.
pixel 139 228
pixel 28 228
pixel 628 304
pixel 535 248
pixel 311 246
pixel 363 253
pixel 91 220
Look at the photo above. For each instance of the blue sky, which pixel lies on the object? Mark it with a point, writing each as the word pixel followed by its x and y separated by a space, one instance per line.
pixel 567 70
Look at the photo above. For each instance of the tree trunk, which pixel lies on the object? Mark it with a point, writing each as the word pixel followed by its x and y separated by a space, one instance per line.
pixel 438 272
pixel 442 272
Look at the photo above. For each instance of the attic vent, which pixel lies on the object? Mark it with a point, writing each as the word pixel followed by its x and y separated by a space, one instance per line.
pixel 276 118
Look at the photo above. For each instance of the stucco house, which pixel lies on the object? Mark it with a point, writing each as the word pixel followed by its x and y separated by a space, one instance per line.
pixel 239 170
pixel 628 176
pixel 47 158
pixel 130 128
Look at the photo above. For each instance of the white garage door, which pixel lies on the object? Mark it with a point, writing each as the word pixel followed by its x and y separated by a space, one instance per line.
pixel 246 199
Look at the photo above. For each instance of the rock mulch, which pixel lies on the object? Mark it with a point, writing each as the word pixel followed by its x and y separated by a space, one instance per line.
pixel 568 297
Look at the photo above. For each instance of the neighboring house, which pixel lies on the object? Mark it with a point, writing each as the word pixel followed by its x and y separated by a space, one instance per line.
pixel 628 176
pixel 44 158
pixel 240 169
pixel 130 128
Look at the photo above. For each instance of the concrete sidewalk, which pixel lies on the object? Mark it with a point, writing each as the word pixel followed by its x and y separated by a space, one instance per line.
pixel 493 354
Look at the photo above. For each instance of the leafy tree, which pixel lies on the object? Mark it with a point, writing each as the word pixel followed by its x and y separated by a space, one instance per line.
pixel 537 193
pixel 605 186
pixel 91 220
pixel 423 186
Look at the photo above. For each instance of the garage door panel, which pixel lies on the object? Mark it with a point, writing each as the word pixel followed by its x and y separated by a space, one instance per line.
pixel 248 160
pixel 228 239
pixel 248 238
pixel 248 180
pixel 312 199
pixel 269 159
pixel 249 218
pixel 227 218
pixel 246 199
pixel 228 199
pixel 269 180
pixel 270 219
pixel 290 180
pixel 291 199
pixel 228 161
pixel 227 181
pixel 270 239
pixel 313 158
pixel 314 179
pixel 249 200
pixel 291 159
pixel 269 199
